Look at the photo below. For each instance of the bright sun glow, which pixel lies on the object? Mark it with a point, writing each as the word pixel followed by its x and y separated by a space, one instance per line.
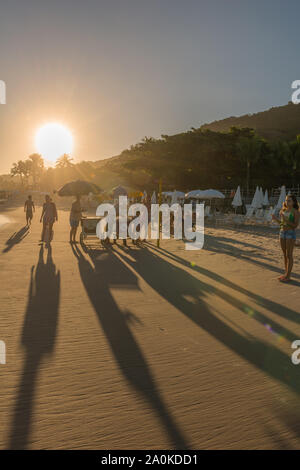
pixel 53 140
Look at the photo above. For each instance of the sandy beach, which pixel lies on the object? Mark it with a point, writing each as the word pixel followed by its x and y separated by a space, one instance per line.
pixel 139 347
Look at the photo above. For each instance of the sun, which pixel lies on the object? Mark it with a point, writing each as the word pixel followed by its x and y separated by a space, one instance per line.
pixel 53 140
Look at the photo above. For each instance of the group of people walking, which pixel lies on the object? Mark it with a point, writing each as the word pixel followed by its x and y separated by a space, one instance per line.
pixel 49 217
pixel 288 220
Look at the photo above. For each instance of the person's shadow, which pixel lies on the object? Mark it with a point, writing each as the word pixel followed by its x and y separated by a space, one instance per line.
pixel 188 295
pixel 16 238
pixel 38 341
pixel 99 272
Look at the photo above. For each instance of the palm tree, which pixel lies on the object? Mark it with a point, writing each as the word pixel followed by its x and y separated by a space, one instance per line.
pixel 15 171
pixel 20 169
pixel 36 167
pixel 65 161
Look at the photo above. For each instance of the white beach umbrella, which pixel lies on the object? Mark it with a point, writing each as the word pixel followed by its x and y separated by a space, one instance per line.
pixel 212 194
pixel 255 204
pixel 261 193
pixel 266 199
pixel 153 198
pixel 237 200
pixel 196 193
pixel 179 194
pixel 281 198
pixel 206 194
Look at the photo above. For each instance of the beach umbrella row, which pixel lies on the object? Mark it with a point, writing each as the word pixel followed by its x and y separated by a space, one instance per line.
pixel 260 199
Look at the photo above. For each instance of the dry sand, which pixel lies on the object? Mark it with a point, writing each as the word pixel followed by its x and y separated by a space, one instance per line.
pixel 144 348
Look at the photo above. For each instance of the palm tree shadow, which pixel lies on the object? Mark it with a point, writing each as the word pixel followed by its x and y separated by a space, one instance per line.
pixel 98 274
pixel 16 238
pixel 177 285
pixel 38 340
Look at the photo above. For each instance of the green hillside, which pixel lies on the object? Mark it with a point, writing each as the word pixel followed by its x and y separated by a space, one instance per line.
pixel 278 123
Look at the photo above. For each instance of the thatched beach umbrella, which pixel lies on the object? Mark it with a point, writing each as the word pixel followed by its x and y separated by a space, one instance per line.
pixel 119 191
pixel 78 188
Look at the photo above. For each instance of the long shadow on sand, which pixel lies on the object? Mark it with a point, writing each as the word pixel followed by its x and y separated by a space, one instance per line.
pixel 99 272
pixel 16 238
pixel 177 285
pixel 38 340
pixel 274 307
pixel 230 248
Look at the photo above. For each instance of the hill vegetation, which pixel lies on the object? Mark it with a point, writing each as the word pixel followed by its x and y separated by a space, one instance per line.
pixel 261 149
pixel 277 123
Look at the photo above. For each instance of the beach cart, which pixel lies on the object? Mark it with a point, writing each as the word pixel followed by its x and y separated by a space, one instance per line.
pixel 89 227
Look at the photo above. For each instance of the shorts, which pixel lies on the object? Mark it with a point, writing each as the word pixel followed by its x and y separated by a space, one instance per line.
pixel 29 215
pixel 74 223
pixel 287 234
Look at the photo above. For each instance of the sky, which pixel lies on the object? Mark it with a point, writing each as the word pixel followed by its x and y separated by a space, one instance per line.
pixel 114 71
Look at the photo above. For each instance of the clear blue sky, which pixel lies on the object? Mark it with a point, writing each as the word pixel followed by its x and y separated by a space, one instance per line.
pixel 117 70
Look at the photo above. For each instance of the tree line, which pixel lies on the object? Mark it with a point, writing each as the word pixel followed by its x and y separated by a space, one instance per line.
pixel 201 158
pixel 198 158
pixel 32 172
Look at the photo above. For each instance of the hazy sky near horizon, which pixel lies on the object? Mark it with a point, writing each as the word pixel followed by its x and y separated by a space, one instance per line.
pixel 114 71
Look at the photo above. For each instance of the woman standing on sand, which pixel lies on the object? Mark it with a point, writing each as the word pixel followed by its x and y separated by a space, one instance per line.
pixel 49 216
pixel 289 220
